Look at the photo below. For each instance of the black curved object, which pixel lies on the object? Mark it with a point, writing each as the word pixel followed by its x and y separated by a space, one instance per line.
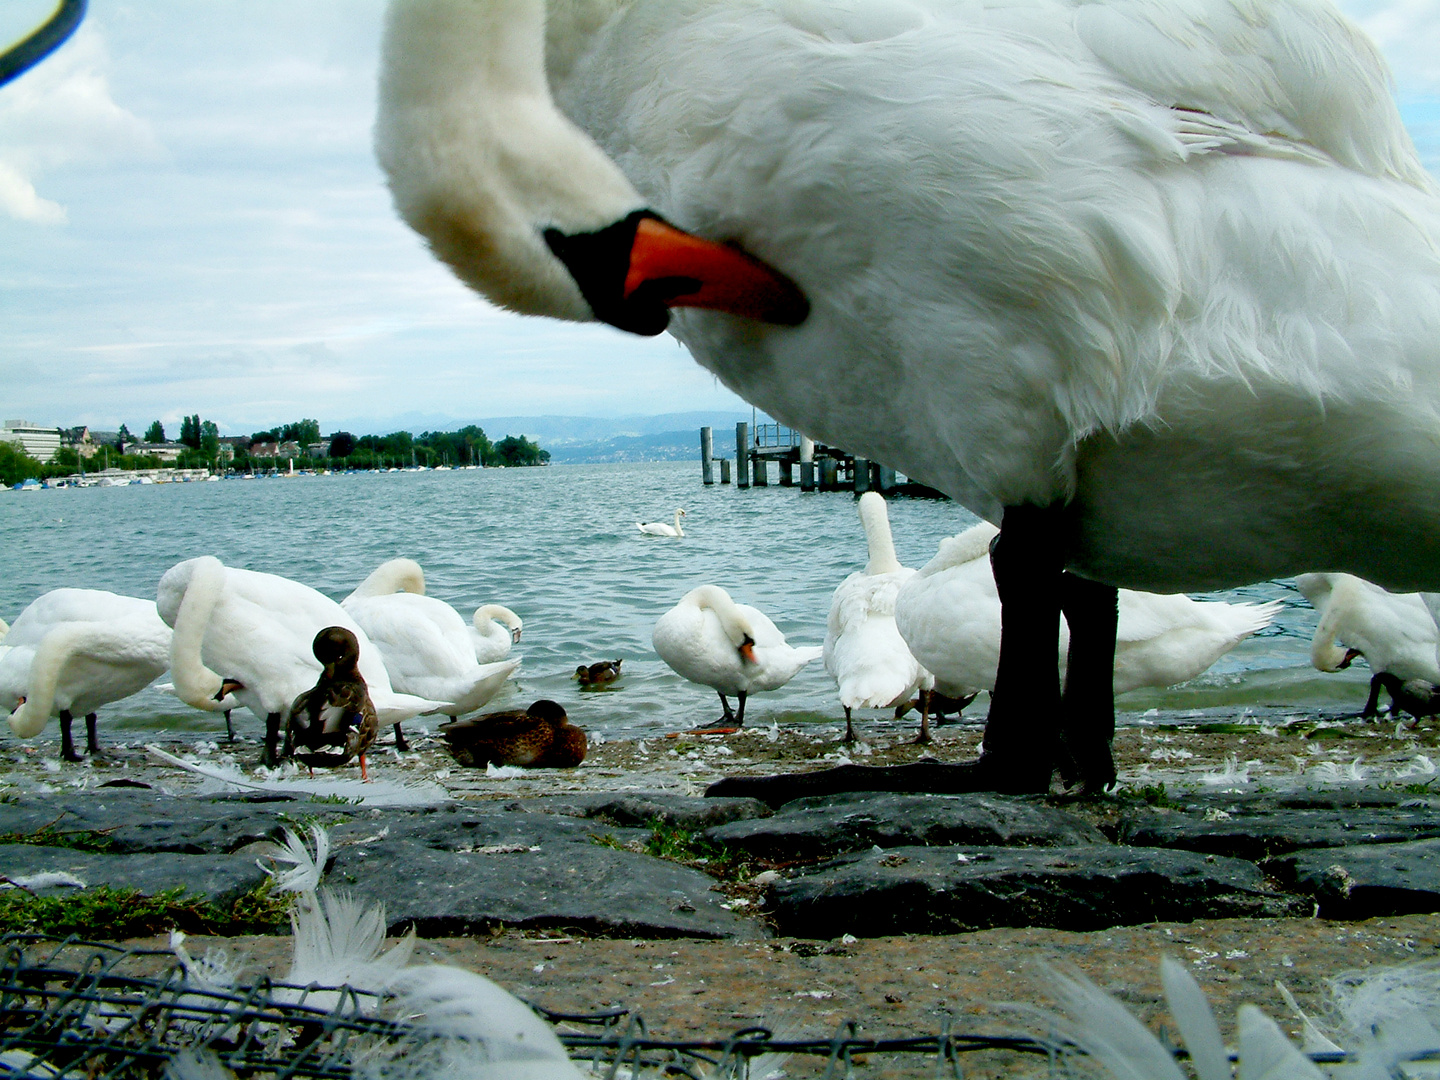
pixel 24 55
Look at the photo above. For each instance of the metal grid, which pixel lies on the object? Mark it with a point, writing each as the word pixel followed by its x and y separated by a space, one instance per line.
pixel 76 1008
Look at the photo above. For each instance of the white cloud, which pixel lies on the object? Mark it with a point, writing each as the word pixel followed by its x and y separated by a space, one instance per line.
pixel 62 114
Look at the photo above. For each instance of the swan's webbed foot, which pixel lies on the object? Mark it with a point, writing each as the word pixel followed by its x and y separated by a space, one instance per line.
pixel 400 743
pixel 1372 703
pixel 67 740
pixel 923 738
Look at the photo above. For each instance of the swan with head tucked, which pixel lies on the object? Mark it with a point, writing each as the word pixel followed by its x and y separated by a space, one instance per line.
pixel 659 528
pixel 427 648
pixel 251 634
pixel 949 614
pixel 864 652
pixel 1394 632
pixel 733 648
pixel 494 629
pixel 72 651
pixel 1152 285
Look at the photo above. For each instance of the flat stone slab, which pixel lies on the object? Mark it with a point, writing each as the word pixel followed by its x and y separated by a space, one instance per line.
pixel 639 809
pixel 462 827
pixel 217 877
pixel 1254 831
pixel 933 890
pixel 819 828
pixel 589 887
pixel 1366 881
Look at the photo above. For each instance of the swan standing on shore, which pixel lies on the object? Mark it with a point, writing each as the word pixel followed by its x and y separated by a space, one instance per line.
pixel 659 528
pixel 949 613
pixel 251 635
pixel 732 648
pixel 1151 285
pixel 494 630
pixel 1394 632
pixel 71 652
pixel 864 652
pixel 427 648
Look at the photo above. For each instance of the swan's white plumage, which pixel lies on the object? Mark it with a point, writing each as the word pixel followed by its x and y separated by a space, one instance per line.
pixel 494 629
pixel 427 648
pixel 949 615
pixel 864 652
pixel 700 638
pixel 659 528
pixel 1176 264
pixel 76 650
pixel 258 629
pixel 1395 632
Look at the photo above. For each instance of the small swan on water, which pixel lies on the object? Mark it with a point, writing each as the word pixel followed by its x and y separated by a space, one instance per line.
pixel 659 528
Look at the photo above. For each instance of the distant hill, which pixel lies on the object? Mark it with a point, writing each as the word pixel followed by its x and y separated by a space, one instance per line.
pixel 557 431
pixel 661 446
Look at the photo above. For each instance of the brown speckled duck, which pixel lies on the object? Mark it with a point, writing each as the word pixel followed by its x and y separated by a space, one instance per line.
pixel 606 671
pixel 540 737
pixel 337 710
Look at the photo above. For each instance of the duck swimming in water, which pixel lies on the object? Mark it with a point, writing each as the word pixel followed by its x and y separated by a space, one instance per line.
pixel 540 737
pixel 606 671
pixel 337 711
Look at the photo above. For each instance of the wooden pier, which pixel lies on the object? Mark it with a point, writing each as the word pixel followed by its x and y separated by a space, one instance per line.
pixel 820 467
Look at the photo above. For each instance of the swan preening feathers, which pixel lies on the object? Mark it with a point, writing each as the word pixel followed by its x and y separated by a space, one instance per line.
pixel 1153 286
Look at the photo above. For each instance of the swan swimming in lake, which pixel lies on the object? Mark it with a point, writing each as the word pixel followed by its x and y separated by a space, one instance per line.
pixel 659 528
pixel 1154 286
pixel 71 652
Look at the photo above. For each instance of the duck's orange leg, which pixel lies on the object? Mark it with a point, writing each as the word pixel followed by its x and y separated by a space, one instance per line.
pixel 365 776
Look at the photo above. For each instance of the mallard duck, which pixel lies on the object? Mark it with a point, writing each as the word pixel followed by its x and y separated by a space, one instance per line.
pixel 540 737
pixel 337 710
pixel 606 671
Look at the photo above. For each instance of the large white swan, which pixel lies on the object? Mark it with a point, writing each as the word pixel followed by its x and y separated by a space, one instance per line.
pixel 72 651
pixel 864 652
pixel 659 528
pixel 495 628
pixel 1394 632
pixel 427 647
pixel 949 614
pixel 1152 285
pixel 250 634
pixel 733 648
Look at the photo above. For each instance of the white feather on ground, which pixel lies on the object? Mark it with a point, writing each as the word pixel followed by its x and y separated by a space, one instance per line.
pixel 288 778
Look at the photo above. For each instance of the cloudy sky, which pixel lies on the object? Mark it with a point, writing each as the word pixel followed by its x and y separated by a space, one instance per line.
pixel 191 220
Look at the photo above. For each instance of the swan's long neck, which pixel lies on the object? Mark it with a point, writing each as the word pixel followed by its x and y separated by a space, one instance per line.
pixel 50 659
pixel 195 684
pixel 397 575
pixel 678 530
pixel 480 161
pixel 713 598
pixel 876 519
pixel 1325 654
pixel 489 613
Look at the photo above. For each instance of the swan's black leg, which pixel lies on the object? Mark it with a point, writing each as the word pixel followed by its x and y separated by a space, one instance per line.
pixel 728 717
pixel 849 729
pixel 740 712
pixel 1088 704
pixel 67 742
pixel 924 737
pixel 229 728
pixel 1372 703
pixel 272 738
pixel 92 744
pixel 400 743
pixel 1021 732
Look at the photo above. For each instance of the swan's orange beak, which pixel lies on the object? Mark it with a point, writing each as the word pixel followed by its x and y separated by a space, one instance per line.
pixel 635 270
pixel 748 652
pixel 724 277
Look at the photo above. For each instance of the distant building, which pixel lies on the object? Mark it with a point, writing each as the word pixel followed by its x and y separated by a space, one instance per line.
pixel 318 449
pixel 80 440
pixel 165 451
pixel 290 449
pixel 39 442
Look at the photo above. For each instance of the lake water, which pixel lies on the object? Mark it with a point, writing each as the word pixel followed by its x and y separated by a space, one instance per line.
pixel 559 546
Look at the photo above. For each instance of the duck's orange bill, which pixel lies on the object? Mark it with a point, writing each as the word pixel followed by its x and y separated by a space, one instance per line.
pixel 729 279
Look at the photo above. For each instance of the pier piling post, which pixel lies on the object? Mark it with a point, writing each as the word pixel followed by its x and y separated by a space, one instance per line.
pixel 887 480
pixel 807 464
pixel 742 454
pixel 760 471
pixel 724 470
pixel 829 473
pixel 707 456
pixel 862 475
pixel 787 472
